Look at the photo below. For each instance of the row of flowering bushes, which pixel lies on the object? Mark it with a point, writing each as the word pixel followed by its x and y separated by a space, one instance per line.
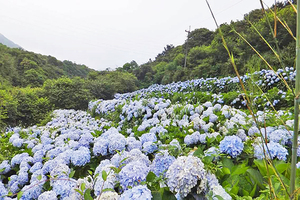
pixel 150 147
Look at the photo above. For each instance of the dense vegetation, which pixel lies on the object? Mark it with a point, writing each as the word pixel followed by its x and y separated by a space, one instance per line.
pixel 35 84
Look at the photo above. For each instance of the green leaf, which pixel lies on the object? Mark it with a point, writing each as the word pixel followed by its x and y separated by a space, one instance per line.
pixel 87 195
pixel 150 177
pixel 72 173
pixel 225 170
pixel 90 172
pixel 156 195
pixel 80 192
pixel 256 177
pixel 252 193
pixel 108 189
pixel 39 177
pixel 82 187
pixel 228 163
pixel 218 197
pixel 123 160
pixel 104 175
pixel 20 195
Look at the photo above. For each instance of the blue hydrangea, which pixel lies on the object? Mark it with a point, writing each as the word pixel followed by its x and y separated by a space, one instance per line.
pixel 184 174
pixel 133 155
pixel 14 188
pixel 216 188
pixel 39 156
pixel 100 147
pixel 161 162
pixel 149 147
pixel 110 182
pixel 275 150
pixel 60 171
pixel 192 139
pixel 63 187
pixel 17 159
pixel 23 178
pixel 54 152
pixel 81 156
pixel 231 145
pixel 4 167
pixel 86 139
pixel 212 151
pixel 298 165
pixel 48 195
pixel 133 173
pixel 18 142
pixel 213 118
pixel 32 191
pixel 117 142
pixel 148 137
pixel 3 190
pixel 281 136
pixel 137 193
pixel 132 143
pixel 38 176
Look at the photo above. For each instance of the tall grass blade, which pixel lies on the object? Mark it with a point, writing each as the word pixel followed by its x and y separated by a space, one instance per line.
pixel 296 112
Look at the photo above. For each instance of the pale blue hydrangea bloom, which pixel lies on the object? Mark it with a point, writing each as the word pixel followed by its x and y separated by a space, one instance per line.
pixel 213 118
pixel 148 137
pixel 81 156
pixel 133 155
pixel 100 146
pixel 275 149
pixel 48 195
pixel 23 178
pixel 117 142
pixel 63 187
pixel 161 162
pixel 241 134
pixel 4 167
pixel 184 174
pixel 17 159
pixel 3 190
pixel 192 139
pixel 216 188
pixel 132 143
pixel 137 193
pixel 281 136
pixel 298 165
pixel 32 191
pixel 176 144
pixel 149 147
pixel 111 179
pixel 86 139
pixel 133 173
pixel 109 195
pixel 212 151
pixel 60 171
pixel 38 176
pixel 17 142
pixel 231 145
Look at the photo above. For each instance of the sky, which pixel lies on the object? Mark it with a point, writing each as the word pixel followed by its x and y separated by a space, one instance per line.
pixel 107 34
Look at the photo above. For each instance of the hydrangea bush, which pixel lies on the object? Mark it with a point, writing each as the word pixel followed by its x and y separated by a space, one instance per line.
pixel 153 145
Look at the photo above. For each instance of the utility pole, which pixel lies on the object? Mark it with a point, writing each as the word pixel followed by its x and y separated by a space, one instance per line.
pixel 186 45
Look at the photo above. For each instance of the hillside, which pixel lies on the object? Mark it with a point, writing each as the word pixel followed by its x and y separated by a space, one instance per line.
pixel 23 68
pixel 8 43
pixel 207 57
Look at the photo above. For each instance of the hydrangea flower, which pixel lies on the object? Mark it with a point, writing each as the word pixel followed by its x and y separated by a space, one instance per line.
pixel 3 190
pixel 109 195
pixel 184 173
pixel 231 145
pixel 133 173
pixel 63 187
pixel 32 191
pixel 148 137
pixel 81 156
pixel 275 149
pixel 4 167
pixel 192 139
pixel 48 195
pixel 137 193
pixel 216 188
pixel 161 162
pixel 100 146
pixel 133 143
pixel 149 147
pixel 111 179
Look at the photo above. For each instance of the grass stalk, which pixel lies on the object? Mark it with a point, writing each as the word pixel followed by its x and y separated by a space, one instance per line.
pixel 296 108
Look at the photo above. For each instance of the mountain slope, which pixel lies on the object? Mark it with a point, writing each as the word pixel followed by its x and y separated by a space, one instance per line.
pixel 23 68
pixel 7 42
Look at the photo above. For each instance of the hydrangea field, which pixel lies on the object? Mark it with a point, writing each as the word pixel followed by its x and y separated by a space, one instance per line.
pixel 186 140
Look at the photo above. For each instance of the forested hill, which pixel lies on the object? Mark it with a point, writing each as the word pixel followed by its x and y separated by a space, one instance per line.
pixel 207 57
pixel 22 68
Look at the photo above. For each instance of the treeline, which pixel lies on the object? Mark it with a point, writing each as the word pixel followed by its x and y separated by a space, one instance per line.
pixel 28 106
pixel 207 57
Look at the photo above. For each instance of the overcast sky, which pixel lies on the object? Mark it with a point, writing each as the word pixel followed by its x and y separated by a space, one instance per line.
pixel 107 34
